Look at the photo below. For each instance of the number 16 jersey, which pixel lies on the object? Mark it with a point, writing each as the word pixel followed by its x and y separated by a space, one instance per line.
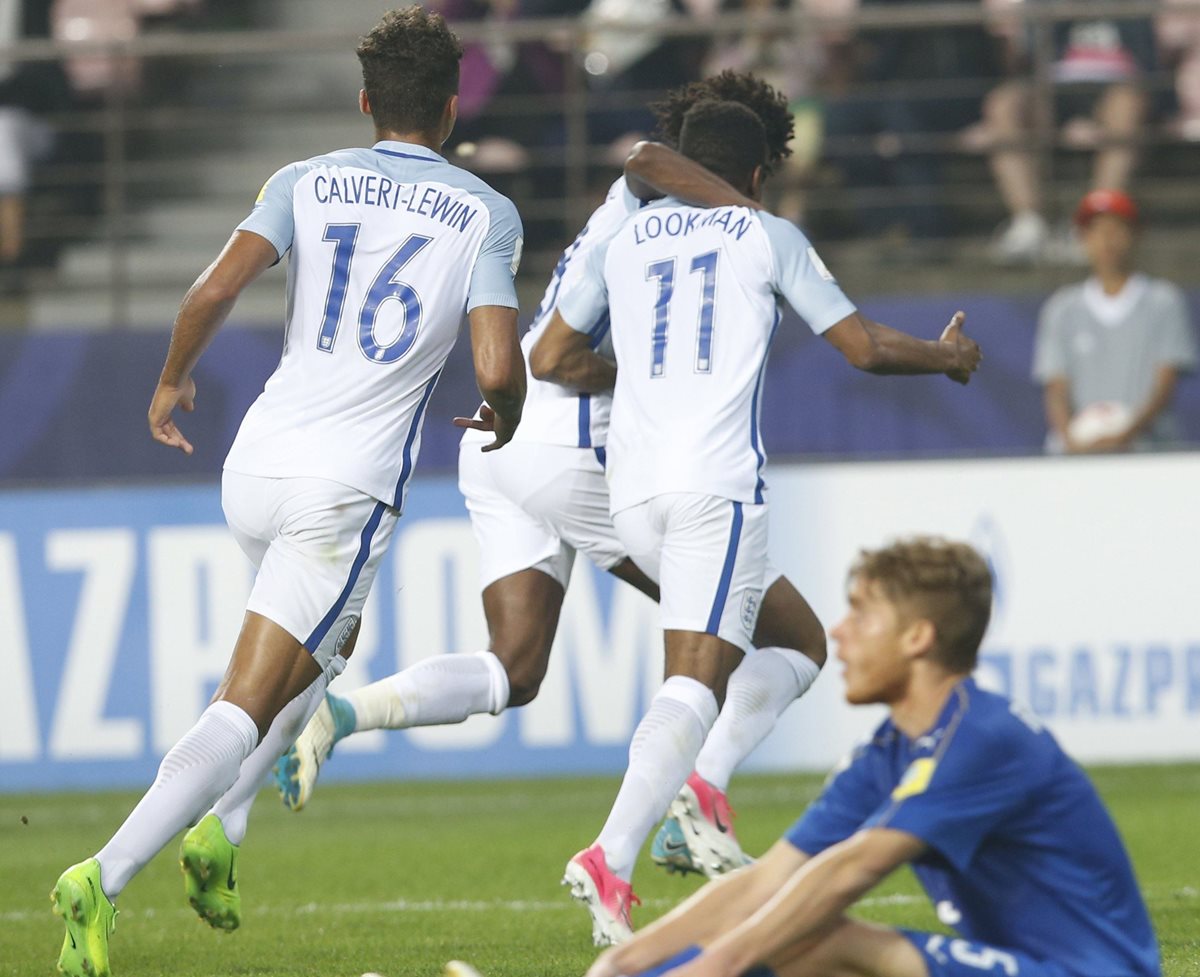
pixel 693 296
pixel 390 247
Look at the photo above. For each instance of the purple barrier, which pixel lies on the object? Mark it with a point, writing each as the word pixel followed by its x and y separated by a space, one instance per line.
pixel 74 406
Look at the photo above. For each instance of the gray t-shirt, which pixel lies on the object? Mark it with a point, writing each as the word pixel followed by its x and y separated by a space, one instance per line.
pixel 1109 348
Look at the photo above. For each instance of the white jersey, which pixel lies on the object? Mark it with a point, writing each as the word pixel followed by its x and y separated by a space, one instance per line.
pixel 693 296
pixel 553 414
pixel 390 247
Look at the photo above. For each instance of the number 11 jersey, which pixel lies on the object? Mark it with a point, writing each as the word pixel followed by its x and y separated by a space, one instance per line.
pixel 390 247
pixel 693 296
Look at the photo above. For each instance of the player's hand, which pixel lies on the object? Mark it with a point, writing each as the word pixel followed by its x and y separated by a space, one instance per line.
pixel 967 354
pixel 166 398
pixel 489 420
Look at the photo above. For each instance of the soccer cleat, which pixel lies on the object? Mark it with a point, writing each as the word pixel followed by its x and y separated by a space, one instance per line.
pixel 297 770
pixel 607 897
pixel 90 919
pixel 457 968
pixel 208 861
pixel 670 849
pixel 704 814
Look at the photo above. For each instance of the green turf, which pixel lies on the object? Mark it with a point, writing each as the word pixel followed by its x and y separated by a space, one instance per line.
pixel 399 878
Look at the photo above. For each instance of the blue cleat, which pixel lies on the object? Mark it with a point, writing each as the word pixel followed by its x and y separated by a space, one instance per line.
pixel 295 773
pixel 670 849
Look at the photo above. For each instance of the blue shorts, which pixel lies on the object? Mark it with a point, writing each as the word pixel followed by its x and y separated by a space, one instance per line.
pixel 950 956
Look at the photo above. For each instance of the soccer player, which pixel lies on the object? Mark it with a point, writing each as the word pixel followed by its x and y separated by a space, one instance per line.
pixel 693 299
pixel 389 247
pixel 1005 833
pixel 542 499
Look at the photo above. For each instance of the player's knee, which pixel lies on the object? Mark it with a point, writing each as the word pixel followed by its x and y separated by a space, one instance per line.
pixel 523 689
pixel 525 674
pixel 816 647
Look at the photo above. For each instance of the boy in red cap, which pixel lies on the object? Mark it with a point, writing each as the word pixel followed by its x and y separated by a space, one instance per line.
pixel 1109 350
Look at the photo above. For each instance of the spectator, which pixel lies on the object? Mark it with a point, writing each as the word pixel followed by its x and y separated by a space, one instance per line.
pixel 1178 30
pixel 26 88
pixel 887 92
pixel 1109 350
pixel 1097 76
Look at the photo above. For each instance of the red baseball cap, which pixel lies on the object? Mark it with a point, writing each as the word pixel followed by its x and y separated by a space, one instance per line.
pixel 1106 202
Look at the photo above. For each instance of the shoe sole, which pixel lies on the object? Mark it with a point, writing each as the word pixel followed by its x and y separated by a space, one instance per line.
pixel 712 857
pixel 67 900
pixel 197 870
pixel 606 931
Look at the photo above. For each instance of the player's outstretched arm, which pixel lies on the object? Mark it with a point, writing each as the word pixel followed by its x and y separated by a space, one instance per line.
pixel 876 348
pixel 564 356
pixel 499 372
pixel 653 170
pixel 810 901
pixel 205 307
pixel 712 911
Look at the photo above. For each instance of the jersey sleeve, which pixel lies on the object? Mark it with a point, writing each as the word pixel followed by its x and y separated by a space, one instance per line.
pixel 954 799
pixel 1050 357
pixel 583 297
pixel 851 795
pixel 800 276
pixel 272 216
pixel 499 257
pixel 1178 347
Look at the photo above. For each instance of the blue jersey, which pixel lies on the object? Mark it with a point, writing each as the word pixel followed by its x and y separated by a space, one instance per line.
pixel 1021 852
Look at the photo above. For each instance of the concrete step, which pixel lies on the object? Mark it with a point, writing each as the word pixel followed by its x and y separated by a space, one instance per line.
pixel 150 308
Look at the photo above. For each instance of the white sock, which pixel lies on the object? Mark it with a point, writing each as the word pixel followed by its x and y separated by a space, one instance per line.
pixel 193 774
pixel 661 755
pixel 437 691
pixel 766 682
pixel 233 808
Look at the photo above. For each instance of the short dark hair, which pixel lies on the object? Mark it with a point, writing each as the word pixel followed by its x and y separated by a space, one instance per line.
pixel 410 69
pixel 726 138
pixel 769 105
pixel 946 582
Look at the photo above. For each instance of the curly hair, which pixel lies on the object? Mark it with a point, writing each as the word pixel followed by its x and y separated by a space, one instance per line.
pixel 769 105
pixel 946 582
pixel 410 69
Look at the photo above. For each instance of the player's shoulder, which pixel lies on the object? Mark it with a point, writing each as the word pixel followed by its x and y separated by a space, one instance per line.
pixel 1063 299
pixel 993 727
pixel 1167 292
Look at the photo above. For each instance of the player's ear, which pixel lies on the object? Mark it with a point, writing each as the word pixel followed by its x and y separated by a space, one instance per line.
pixel 449 116
pixel 918 638
pixel 364 103
pixel 757 178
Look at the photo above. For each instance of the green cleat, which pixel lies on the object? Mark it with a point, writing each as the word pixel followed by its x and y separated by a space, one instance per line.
pixel 90 919
pixel 209 865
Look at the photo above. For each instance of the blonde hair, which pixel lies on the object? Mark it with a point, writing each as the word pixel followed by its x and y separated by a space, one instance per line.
pixel 945 582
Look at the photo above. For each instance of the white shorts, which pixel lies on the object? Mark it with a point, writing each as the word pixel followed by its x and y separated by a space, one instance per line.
pixel 316 544
pixel 709 558
pixel 533 505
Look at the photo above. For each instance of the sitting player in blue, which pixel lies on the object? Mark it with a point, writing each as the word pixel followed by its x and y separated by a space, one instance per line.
pixel 1005 833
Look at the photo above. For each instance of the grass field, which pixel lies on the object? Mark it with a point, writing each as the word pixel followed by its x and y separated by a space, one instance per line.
pixel 399 878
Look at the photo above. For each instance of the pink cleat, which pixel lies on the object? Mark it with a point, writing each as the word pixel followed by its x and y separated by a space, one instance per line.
pixel 607 897
pixel 704 813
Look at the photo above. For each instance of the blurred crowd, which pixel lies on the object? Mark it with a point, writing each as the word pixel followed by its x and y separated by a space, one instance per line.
pixel 881 111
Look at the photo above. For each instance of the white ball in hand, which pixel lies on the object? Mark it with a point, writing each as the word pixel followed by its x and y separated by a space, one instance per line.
pixel 1104 419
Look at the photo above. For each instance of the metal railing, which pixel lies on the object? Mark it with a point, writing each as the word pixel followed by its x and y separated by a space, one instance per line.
pixel 132 167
